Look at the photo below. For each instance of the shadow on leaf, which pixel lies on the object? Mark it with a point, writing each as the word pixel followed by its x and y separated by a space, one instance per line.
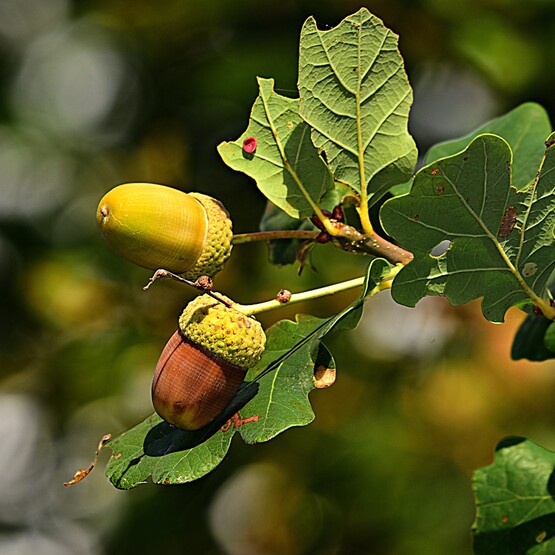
pixel 509 441
pixel 514 534
pixel 518 540
pixel 165 438
pixel 529 340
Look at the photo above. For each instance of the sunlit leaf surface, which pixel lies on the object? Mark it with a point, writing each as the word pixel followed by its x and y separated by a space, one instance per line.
pixel 285 164
pixel 356 97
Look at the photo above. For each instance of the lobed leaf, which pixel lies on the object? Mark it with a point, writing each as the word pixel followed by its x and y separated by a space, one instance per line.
pixel 356 97
pixel 501 240
pixel 282 401
pixel 286 166
pixel 515 501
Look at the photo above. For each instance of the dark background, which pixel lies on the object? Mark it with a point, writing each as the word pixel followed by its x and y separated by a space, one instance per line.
pixel 100 92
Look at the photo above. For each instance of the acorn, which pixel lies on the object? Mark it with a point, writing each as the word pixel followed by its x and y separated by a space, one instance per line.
pixel 205 361
pixel 156 226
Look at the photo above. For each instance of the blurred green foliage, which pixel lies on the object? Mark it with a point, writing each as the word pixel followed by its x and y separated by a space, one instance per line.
pixel 94 93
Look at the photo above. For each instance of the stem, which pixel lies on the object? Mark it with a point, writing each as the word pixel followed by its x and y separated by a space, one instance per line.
pixel 386 283
pixel 272 235
pixel 363 208
pixel 345 237
pixel 251 309
pixel 351 240
pixel 364 214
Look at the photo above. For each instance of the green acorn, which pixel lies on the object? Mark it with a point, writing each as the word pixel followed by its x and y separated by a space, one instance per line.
pixel 204 362
pixel 156 226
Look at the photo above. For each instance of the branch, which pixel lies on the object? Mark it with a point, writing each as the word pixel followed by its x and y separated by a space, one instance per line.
pixel 351 240
pixel 345 237
pixel 273 235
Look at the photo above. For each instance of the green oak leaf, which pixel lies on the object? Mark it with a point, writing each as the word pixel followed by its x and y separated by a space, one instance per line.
pixel 286 166
pixel 130 466
pixel 154 449
pixel 524 128
pixel 501 240
pixel 356 97
pixel 282 401
pixel 515 501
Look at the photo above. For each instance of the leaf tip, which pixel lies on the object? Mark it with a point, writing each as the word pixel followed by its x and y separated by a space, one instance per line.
pixel 323 377
pixel 81 474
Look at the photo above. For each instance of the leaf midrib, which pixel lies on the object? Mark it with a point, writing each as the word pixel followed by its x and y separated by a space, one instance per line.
pixel 281 149
pixel 531 294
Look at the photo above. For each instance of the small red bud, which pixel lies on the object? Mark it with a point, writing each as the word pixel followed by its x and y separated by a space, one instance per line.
pixel 318 222
pixel 538 311
pixel 337 213
pixel 284 296
pixel 323 237
pixel 249 145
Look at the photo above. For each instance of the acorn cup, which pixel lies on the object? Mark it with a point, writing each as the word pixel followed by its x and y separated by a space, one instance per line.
pixel 155 226
pixel 205 362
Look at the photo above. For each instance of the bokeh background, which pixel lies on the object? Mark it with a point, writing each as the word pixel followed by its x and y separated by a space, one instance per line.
pixel 98 92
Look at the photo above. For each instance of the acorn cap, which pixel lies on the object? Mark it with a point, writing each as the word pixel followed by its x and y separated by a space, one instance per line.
pixel 225 331
pixel 217 247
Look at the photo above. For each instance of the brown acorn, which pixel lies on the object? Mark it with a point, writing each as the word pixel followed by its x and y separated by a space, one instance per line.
pixel 204 363
pixel 156 226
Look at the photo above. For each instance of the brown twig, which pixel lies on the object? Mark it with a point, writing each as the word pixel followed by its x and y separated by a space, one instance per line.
pixel 346 238
pixel 200 284
pixel 273 235
pixel 351 240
